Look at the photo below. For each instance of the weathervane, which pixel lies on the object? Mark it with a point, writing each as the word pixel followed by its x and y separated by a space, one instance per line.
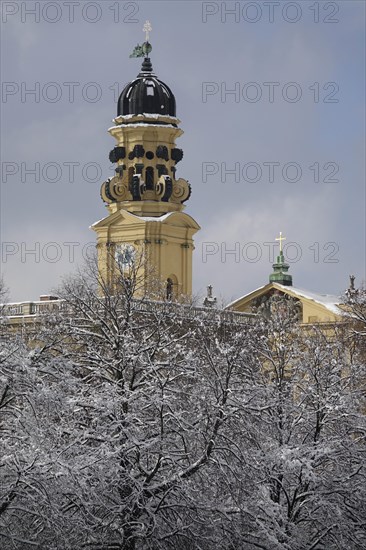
pixel 280 238
pixel 145 49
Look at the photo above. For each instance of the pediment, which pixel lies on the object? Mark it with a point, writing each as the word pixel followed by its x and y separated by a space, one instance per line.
pixel 123 217
pixel 319 306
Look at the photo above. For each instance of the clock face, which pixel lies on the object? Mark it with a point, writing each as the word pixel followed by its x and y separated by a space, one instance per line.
pixel 125 256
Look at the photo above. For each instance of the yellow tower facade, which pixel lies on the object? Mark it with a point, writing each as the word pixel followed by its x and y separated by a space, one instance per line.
pixel 146 227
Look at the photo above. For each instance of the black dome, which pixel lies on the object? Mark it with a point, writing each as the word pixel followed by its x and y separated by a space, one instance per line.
pixel 146 94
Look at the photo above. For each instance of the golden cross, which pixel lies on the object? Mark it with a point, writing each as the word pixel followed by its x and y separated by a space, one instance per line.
pixel 147 29
pixel 280 238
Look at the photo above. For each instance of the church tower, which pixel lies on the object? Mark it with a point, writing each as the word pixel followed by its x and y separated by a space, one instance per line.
pixel 145 198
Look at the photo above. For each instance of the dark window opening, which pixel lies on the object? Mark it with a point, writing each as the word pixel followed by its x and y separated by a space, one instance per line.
pixel 169 289
pixel 149 178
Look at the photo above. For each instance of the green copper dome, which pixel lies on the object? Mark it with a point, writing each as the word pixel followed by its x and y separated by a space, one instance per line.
pixel 280 269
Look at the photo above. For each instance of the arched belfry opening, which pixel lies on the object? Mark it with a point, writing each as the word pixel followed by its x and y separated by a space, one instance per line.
pixel 171 288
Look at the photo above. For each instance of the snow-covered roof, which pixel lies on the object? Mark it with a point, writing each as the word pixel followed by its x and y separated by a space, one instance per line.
pixel 329 301
pixel 155 218
pixel 148 115
pixel 144 125
pixel 96 223
pixel 245 296
pixel 145 218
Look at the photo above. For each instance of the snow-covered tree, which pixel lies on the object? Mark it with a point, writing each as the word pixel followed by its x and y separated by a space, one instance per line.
pixel 354 305
pixel 354 300
pixel 299 478
pixel 140 425
pixel 3 291
pixel 125 403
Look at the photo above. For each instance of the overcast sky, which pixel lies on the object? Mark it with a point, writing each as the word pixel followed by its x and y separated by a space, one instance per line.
pixel 284 151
